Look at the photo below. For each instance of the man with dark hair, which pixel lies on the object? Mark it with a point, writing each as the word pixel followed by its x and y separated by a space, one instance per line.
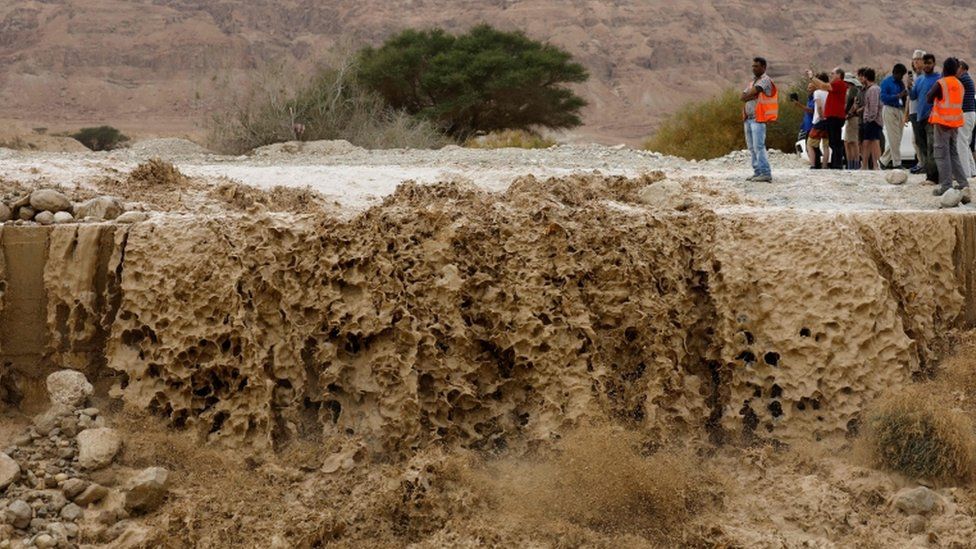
pixel 920 91
pixel 918 130
pixel 834 112
pixel 945 119
pixel 871 118
pixel 893 94
pixel 761 105
pixel 969 119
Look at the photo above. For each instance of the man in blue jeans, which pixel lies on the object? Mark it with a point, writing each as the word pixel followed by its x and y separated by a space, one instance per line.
pixel 760 100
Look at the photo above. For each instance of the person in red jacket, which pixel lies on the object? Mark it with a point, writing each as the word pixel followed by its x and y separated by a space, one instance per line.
pixel 834 112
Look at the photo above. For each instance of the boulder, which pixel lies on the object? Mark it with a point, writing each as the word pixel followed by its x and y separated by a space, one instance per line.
pixel 950 198
pixel 9 471
pixel 147 490
pixel 26 213
pixel 101 208
pixel 98 447
pixel 896 177
pixel 5 212
pixel 44 218
pixel 63 217
pixel 49 200
pixel 917 501
pixel 68 388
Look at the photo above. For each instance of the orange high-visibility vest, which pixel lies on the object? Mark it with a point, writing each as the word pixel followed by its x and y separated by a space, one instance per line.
pixel 767 106
pixel 947 111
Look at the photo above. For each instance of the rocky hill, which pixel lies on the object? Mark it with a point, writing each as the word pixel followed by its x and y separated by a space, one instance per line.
pixel 151 66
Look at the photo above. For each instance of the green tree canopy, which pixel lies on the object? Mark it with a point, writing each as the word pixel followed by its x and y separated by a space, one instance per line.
pixel 486 80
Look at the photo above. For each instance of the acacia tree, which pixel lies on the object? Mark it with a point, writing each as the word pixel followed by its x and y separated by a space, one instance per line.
pixel 484 80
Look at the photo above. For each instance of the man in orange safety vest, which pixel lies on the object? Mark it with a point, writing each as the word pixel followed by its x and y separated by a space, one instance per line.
pixel 946 119
pixel 761 107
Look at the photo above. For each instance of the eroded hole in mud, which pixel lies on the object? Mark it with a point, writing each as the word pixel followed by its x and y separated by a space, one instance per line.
pixel 804 332
pixel 746 356
pixel 776 391
pixel 771 358
pixel 775 408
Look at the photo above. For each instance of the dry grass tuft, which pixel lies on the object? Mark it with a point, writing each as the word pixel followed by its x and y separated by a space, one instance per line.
pixel 602 480
pixel 510 139
pixel 916 434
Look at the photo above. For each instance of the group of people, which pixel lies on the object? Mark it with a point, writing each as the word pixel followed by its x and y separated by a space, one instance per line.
pixel 846 117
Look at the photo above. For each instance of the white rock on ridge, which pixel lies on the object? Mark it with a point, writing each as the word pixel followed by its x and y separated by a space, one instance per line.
pixel 102 208
pixel 63 217
pixel 49 200
pixel 896 177
pixel 9 471
pixel 69 388
pixel 147 490
pixel 950 198
pixel 44 218
pixel 98 447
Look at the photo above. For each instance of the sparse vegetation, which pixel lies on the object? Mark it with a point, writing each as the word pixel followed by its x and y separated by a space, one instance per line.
pixel 518 139
pixel 279 106
pixel 915 434
pixel 483 81
pixel 713 128
pixel 101 138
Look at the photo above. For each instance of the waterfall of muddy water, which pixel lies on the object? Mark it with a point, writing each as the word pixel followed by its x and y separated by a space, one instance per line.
pixel 489 321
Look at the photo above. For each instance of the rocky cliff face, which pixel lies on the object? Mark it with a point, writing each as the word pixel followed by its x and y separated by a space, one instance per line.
pixel 149 66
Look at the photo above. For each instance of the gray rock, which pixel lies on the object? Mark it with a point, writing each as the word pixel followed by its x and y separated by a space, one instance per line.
pixel 5 213
pixel 26 213
pixel 44 218
pixel 92 494
pixel 9 471
pixel 69 388
pixel 45 541
pixel 49 200
pixel 69 426
pixel 101 208
pixel 46 422
pixel 916 501
pixel 73 487
pixel 72 512
pixel 147 490
pixel 98 447
pixel 19 514
pixel 950 198
pixel 897 177
pixel 132 217
pixel 63 217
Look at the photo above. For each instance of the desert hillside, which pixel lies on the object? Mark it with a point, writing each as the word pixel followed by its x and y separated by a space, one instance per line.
pixel 150 66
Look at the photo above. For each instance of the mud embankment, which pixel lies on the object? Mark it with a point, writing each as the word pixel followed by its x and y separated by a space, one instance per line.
pixel 492 320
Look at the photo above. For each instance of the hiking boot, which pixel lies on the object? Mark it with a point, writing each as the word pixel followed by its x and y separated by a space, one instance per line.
pixel 917 169
pixel 763 179
pixel 752 178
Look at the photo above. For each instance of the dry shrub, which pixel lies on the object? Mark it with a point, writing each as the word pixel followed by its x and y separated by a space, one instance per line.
pixel 602 480
pixel 517 139
pixel 915 433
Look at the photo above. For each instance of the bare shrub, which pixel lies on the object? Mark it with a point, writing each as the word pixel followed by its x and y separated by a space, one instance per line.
pixel 915 433
pixel 156 173
pixel 279 104
pixel 517 139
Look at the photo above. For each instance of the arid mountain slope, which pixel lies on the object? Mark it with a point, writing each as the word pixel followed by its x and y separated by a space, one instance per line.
pixel 149 66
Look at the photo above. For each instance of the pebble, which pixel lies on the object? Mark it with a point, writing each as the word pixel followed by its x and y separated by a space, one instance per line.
pixel 5 213
pixel 91 494
pixel 26 213
pixel 44 541
pixel 896 177
pixel 63 217
pixel 916 501
pixel 950 198
pixel 44 218
pixel 19 513
pixel 73 487
pixel 147 490
pixel 72 512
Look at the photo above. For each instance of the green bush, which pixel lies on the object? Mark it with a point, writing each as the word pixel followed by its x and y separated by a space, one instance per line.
pixel 713 128
pixel 279 104
pixel 483 81
pixel 101 138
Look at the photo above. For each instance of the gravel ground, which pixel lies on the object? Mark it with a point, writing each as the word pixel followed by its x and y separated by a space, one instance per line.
pixel 357 178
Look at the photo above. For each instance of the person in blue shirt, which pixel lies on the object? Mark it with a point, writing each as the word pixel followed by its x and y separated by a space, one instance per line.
pixel 919 91
pixel 969 112
pixel 893 94
pixel 807 123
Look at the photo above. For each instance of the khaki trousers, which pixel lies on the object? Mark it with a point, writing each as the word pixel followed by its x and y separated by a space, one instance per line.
pixel 893 124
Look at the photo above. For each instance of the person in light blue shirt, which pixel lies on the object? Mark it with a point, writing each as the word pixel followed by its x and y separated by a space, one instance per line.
pixel 893 94
pixel 920 90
